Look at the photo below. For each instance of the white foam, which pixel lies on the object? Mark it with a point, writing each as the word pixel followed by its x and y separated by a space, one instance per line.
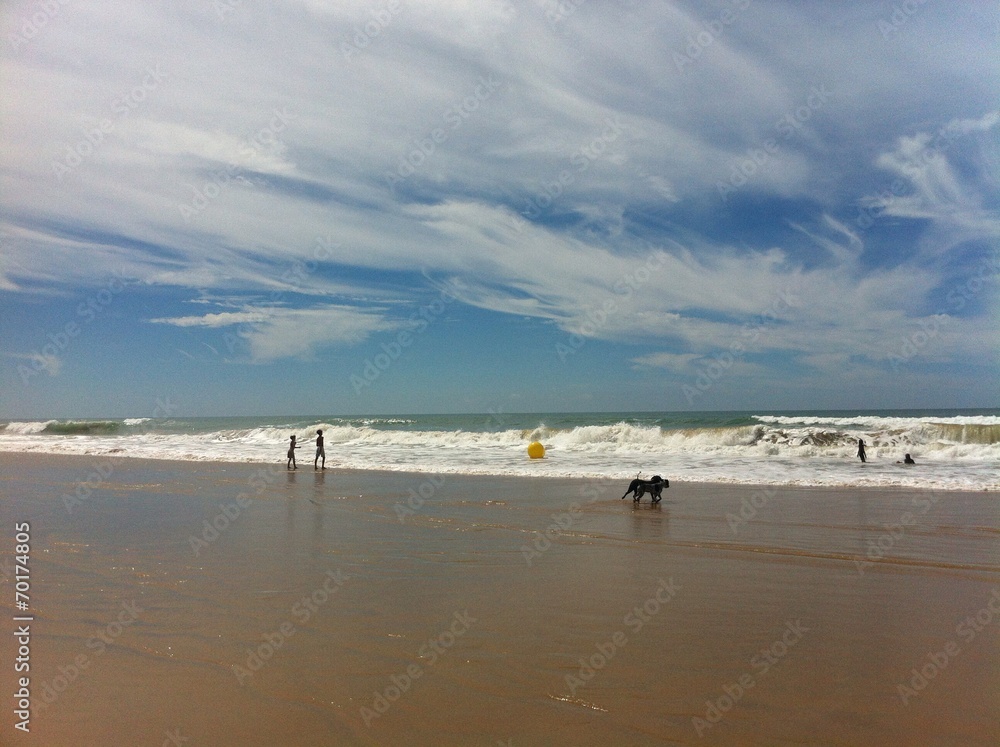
pixel 761 454
pixel 28 427
pixel 875 421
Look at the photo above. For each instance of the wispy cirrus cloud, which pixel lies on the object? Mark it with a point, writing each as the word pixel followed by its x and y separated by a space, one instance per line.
pixel 521 160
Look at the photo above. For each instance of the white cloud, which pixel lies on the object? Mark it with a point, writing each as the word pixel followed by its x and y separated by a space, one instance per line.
pixel 222 319
pixel 624 216
pixel 939 190
pixel 275 333
pixel 259 151
pixel 299 333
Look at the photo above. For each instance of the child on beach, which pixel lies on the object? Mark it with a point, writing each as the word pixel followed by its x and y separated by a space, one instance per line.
pixel 320 451
pixel 292 446
pixel 861 450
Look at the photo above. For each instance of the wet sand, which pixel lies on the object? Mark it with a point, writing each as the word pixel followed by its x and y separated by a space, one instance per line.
pixel 234 604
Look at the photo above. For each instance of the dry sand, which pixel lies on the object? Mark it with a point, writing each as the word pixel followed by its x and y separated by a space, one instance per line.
pixel 345 608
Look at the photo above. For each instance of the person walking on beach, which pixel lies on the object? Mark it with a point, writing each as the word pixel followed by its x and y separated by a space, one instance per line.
pixel 292 446
pixel 320 451
pixel 861 450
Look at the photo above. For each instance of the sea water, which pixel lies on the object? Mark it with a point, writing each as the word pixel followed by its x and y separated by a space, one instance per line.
pixel 953 449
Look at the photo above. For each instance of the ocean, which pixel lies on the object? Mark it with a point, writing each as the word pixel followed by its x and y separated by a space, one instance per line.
pixel 953 449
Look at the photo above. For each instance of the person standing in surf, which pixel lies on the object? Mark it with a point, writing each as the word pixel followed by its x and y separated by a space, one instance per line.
pixel 292 446
pixel 320 451
pixel 861 450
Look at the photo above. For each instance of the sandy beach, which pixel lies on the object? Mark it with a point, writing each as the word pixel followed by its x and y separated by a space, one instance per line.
pixel 238 604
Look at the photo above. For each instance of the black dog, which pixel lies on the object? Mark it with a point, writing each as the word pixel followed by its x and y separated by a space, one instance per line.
pixel 654 487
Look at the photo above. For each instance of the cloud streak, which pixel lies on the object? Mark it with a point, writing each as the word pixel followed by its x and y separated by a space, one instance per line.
pixel 273 333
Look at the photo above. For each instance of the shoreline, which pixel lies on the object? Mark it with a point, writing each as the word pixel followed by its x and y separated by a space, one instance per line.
pixel 280 466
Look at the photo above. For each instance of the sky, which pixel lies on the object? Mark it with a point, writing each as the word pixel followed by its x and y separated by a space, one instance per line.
pixel 233 207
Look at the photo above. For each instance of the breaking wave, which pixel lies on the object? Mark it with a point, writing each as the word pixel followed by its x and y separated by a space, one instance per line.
pixel 951 452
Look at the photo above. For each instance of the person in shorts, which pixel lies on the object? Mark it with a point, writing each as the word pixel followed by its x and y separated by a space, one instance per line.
pixel 320 451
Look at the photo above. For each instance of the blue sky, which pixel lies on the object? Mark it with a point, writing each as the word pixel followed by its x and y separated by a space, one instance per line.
pixel 303 206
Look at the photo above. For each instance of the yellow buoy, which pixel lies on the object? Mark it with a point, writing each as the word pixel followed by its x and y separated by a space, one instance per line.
pixel 536 450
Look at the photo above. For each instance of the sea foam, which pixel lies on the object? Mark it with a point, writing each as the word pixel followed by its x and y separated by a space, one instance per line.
pixel 951 452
